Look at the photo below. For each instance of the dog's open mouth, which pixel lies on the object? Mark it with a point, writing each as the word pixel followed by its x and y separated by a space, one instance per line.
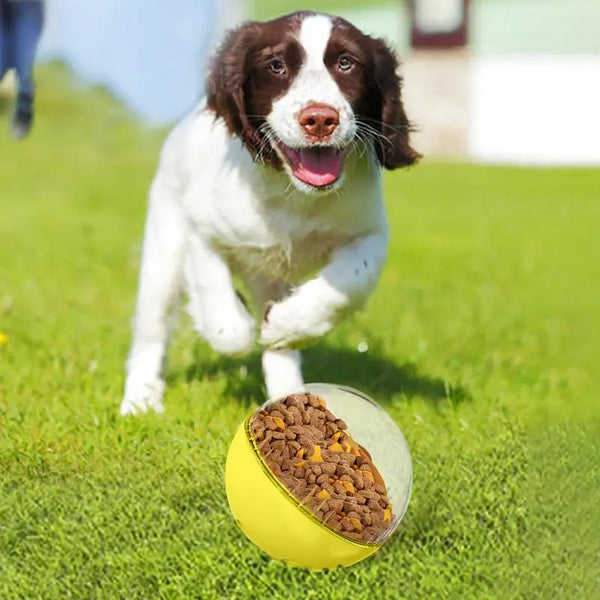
pixel 318 166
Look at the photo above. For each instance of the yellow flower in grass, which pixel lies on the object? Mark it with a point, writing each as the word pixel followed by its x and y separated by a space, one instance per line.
pixel 3 339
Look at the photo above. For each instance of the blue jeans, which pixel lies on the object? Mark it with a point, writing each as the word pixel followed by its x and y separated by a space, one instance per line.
pixel 21 23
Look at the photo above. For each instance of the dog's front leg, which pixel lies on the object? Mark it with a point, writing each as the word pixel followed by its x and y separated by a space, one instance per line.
pixel 218 313
pixel 318 305
pixel 282 369
pixel 160 274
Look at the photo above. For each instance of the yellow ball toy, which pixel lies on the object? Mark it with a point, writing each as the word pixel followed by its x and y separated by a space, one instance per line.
pixel 278 522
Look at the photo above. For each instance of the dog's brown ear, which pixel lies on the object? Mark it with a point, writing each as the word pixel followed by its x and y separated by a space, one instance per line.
pixel 393 148
pixel 226 80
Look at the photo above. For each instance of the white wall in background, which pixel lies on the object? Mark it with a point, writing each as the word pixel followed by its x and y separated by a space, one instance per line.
pixel 539 110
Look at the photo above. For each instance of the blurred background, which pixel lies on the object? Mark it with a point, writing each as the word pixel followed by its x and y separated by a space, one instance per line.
pixel 512 81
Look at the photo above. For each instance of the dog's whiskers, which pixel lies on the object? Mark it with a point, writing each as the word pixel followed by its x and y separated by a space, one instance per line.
pixel 368 132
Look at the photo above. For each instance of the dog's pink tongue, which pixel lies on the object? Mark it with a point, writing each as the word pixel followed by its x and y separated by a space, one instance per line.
pixel 319 166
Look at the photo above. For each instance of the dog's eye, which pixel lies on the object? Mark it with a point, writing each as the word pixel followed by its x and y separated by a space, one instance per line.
pixel 345 62
pixel 277 66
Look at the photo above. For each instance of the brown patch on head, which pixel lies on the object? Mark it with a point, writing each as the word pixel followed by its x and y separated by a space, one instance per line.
pixel 366 71
pixel 254 66
pixel 347 59
pixel 257 63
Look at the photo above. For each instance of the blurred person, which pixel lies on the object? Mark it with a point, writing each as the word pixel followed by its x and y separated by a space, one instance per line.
pixel 21 23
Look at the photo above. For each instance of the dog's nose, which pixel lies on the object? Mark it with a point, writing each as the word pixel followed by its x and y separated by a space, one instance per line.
pixel 319 120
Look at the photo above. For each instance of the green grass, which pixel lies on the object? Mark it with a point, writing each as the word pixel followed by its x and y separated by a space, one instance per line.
pixel 483 342
pixel 269 9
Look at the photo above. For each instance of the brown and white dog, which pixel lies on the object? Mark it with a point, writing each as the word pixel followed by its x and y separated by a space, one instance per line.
pixel 276 177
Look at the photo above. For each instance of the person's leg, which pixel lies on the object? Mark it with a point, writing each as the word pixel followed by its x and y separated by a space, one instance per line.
pixel 28 19
pixel 5 62
pixel 27 23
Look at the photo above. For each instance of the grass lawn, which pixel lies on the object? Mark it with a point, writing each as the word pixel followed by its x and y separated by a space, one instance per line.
pixel 269 9
pixel 483 344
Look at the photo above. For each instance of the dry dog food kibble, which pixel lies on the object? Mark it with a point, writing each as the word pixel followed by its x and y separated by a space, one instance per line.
pixel 311 452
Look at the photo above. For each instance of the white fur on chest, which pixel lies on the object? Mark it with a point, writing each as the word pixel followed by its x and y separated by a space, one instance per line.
pixel 251 215
pixel 288 260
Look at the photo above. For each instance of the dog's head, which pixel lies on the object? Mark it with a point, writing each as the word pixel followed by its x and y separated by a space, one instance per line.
pixel 304 90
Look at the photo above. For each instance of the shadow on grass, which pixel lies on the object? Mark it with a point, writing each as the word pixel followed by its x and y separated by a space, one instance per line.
pixel 369 372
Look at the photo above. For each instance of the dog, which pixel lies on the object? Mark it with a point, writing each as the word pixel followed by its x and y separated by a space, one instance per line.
pixel 276 178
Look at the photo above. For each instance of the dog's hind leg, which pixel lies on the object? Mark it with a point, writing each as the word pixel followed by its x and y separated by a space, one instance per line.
pixel 159 282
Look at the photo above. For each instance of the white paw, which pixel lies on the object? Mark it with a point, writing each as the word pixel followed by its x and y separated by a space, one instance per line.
pixel 234 336
pixel 141 397
pixel 229 329
pixel 288 324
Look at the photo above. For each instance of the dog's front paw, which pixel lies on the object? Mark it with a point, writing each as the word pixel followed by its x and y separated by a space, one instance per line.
pixel 141 397
pixel 289 324
pixel 231 334
pixel 223 322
